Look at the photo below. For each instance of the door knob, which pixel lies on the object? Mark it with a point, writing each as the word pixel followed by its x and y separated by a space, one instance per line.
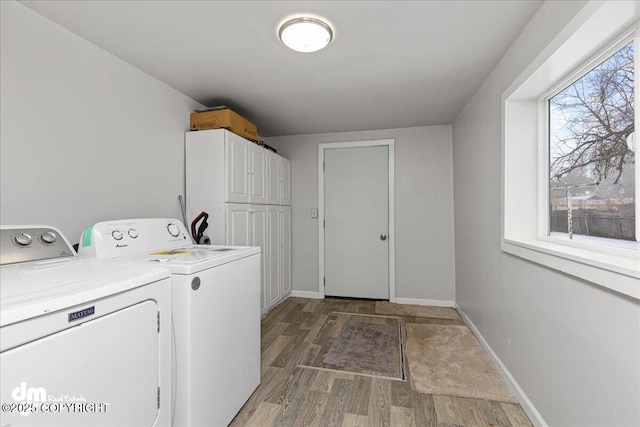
pixel 383 237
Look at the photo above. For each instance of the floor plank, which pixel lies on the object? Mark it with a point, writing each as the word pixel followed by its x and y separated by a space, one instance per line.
pixel 337 403
pixel 401 394
pixel 352 420
pixel 264 415
pixel 380 401
pixel 293 403
pixel 359 397
pixel 515 414
pixel 402 417
pixel 312 409
pixel 448 410
pixel 424 409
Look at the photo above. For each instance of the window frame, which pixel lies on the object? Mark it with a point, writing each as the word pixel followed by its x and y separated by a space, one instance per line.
pixel 594 32
pixel 544 113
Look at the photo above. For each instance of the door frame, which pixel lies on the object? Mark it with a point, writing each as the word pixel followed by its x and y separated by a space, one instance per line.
pixel 390 143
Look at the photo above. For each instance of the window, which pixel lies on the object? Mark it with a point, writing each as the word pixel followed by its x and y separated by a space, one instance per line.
pixel 592 192
pixel 569 142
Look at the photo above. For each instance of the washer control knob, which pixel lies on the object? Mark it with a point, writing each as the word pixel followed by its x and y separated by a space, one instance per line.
pixel 173 229
pixel 133 233
pixel 48 237
pixel 117 234
pixel 22 239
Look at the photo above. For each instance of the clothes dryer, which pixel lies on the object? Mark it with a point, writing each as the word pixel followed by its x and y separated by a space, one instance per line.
pixel 216 312
pixel 83 341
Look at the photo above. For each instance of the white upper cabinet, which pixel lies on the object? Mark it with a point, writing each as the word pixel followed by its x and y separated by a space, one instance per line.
pixel 279 180
pixel 273 178
pixel 284 178
pixel 238 161
pixel 224 167
pixel 257 174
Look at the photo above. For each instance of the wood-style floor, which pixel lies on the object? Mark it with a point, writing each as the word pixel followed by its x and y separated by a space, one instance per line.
pixel 293 396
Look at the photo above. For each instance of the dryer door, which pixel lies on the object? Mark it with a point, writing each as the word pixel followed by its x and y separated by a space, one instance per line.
pixel 102 372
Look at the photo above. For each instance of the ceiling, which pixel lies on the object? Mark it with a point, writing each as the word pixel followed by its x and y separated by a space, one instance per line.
pixel 391 64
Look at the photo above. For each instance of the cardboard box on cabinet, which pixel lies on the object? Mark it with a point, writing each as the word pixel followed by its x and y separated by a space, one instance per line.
pixel 225 118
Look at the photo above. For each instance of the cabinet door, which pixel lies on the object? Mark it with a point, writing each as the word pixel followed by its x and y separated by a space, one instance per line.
pixel 258 214
pixel 273 261
pixel 237 153
pixel 257 174
pixel 285 250
pixel 285 181
pixel 239 226
pixel 273 178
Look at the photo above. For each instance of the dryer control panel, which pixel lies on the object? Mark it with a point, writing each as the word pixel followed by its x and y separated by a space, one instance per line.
pixel 23 243
pixel 132 236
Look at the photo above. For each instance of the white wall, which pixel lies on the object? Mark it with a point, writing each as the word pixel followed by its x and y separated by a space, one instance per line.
pixel 423 200
pixel 573 347
pixel 84 136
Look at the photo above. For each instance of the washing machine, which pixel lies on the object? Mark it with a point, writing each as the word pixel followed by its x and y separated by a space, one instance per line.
pixel 216 312
pixel 83 342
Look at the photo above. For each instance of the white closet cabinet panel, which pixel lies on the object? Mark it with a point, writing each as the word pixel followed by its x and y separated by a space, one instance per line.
pixel 247 226
pixel 273 178
pixel 273 255
pixel 238 167
pixel 257 174
pixel 284 176
pixel 239 225
pixel 259 238
pixel 284 236
pixel 279 180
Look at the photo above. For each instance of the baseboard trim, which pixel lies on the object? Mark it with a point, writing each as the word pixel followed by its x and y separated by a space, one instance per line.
pixel 418 301
pixel 526 404
pixel 410 301
pixel 306 294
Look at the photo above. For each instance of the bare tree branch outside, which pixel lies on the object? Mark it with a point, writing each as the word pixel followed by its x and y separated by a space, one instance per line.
pixel 592 150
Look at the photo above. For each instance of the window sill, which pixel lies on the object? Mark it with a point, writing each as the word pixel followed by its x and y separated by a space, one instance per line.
pixel 618 273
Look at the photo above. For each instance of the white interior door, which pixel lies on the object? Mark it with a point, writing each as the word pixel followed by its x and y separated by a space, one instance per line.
pixel 356 222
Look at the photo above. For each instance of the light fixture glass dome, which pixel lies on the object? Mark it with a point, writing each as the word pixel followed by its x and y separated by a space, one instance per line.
pixel 305 34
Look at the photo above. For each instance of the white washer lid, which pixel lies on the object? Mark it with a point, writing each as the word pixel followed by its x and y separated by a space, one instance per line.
pixel 192 259
pixel 34 288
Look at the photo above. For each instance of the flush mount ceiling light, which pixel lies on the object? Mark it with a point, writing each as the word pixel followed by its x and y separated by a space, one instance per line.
pixel 305 34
